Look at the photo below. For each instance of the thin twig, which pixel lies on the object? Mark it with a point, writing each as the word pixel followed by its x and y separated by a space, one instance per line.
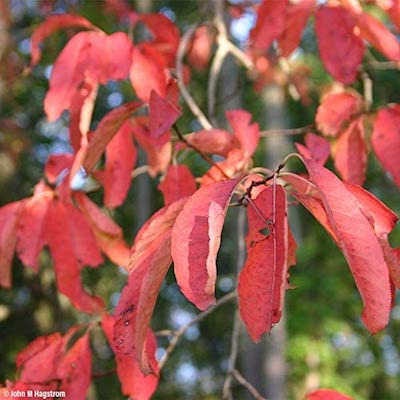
pixel 367 84
pixel 227 391
pixel 97 375
pixel 139 171
pixel 286 132
pixel 245 383
pixel 383 65
pixel 203 155
pixel 180 332
pixel 194 108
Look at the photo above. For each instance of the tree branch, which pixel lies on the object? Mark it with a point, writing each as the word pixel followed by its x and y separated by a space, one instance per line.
pixel 180 332
pixel 286 132
pixel 244 382
pixel 194 108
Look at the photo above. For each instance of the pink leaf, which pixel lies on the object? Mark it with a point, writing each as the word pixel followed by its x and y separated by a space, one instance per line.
pixel 295 22
pixel 247 134
pixel 386 140
pixel 200 51
pixel 351 153
pixel 178 183
pixel 50 25
pixel 359 244
pixel 148 72
pixel 335 110
pixel 340 49
pixel 326 394
pixel 263 280
pixel 56 166
pixel 196 238
pixel 378 36
pixel 317 148
pixel 134 383
pixel 121 157
pixel 270 23
pixel 149 263
pixel 214 141
pixel 89 56
pixel 9 218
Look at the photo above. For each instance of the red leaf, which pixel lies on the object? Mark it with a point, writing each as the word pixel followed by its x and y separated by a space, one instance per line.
pixel 383 220
pixel 351 153
pixel 162 115
pixel 158 152
pixel 178 183
pixel 263 280
pixel 196 237
pixel 121 157
pixel 326 394
pixel 386 140
pixel 148 72
pixel 9 219
pixel 89 56
pixel 378 36
pixel 270 23
pixel 65 256
pixel 134 383
pixel 340 49
pixel 56 166
pixel 105 131
pixel 39 360
pixel 335 110
pixel 394 13
pixel 247 134
pixel 108 234
pixel 200 50
pixel 317 148
pixel 166 35
pixel 214 141
pixel 149 263
pixel 359 244
pixel 51 24
pixel 295 22
pixel 32 225
pixel 75 369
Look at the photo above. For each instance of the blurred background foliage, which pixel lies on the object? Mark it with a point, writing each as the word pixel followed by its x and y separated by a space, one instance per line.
pixel 326 343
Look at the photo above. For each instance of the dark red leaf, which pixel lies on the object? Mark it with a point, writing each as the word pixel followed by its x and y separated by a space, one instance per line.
pixel 50 25
pixel 9 219
pixel 178 183
pixel 340 49
pixel 162 115
pixel 134 383
pixel 121 157
pixel 89 56
pixel 108 234
pixel 40 359
pixel 294 24
pixel 270 23
pixel 386 140
pixel 148 265
pixel 105 131
pixel 263 280
pixel 359 244
pixel 351 153
pixel 32 226
pixel 196 238
pixel 75 369
pixel 335 110
pixel 65 256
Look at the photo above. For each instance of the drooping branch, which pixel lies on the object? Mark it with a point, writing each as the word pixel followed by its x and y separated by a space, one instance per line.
pixel 245 383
